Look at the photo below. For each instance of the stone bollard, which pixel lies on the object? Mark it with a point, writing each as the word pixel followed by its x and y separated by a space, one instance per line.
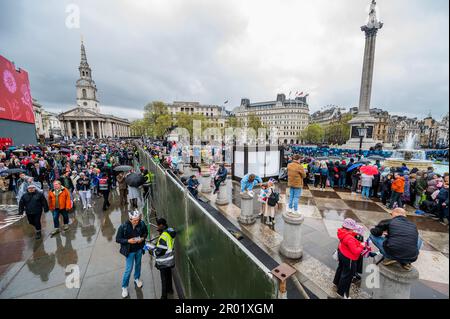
pixel 206 183
pixel 395 282
pixel 247 216
pixel 222 198
pixel 291 246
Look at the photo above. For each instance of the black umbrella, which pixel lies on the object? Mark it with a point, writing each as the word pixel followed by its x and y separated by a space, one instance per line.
pixel 123 168
pixel 135 180
pixel 64 150
pixel 13 171
pixel 36 151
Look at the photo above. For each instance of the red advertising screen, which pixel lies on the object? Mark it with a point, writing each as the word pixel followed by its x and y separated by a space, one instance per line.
pixel 15 97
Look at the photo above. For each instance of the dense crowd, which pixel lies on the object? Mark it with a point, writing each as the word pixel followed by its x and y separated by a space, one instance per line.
pixel 426 191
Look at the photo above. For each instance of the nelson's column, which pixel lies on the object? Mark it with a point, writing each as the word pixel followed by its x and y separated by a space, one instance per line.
pixel 363 118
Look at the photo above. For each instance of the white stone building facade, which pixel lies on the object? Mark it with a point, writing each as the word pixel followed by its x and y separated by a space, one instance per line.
pixel 289 116
pixel 85 120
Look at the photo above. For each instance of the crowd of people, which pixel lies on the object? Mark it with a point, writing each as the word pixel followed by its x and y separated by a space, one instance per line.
pixel 56 178
pixel 426 191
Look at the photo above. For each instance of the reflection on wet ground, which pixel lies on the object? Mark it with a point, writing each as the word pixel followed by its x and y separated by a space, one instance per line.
pixel 324 212
pixel 32 268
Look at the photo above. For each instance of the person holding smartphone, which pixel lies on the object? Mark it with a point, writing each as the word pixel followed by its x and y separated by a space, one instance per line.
pixel 131 236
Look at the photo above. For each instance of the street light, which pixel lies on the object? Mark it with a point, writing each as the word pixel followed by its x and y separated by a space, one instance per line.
pixel 362 130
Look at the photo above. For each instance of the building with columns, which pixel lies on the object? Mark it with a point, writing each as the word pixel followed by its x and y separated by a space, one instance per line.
pixel 85 120
pixel 37 110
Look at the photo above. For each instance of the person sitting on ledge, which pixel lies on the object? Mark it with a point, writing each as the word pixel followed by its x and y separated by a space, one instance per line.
pixel 401 242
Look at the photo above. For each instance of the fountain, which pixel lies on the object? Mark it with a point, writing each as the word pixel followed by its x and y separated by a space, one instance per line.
pixel 409 155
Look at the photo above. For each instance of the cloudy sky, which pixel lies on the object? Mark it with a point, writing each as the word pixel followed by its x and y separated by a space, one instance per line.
pixel 216 50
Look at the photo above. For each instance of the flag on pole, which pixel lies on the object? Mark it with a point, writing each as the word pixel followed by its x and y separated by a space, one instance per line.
pixel 307 95
pixel 225 102
pixel 301 93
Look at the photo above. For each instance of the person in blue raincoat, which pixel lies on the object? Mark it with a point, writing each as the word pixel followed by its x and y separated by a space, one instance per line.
pixel 249 181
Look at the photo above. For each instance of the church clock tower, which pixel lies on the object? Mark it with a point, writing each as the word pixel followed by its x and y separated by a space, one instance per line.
pixel 86 88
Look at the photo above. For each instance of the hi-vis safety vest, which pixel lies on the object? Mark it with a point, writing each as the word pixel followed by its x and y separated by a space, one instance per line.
pixel 168 259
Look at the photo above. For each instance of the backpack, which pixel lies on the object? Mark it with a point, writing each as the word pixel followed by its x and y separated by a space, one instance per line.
pixel 273 199
pixel 103 184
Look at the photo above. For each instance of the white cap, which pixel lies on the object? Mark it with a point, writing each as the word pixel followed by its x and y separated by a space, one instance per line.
pixel 134 214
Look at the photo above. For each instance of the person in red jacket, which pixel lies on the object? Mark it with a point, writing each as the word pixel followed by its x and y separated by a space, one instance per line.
pixel 349 251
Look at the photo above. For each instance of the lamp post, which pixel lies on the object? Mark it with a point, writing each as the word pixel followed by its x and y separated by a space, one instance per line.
pixel 362 130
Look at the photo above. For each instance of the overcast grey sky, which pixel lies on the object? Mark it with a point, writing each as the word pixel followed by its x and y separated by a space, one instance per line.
pixel 216 50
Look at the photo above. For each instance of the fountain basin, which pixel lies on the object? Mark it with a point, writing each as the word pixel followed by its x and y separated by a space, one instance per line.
pixel 421 165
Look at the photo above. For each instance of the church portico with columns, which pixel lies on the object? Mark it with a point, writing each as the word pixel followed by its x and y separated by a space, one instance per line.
pixel 85 120
pixel 82 123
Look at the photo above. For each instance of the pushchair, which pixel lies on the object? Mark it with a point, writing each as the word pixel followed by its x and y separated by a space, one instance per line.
pixel 283 175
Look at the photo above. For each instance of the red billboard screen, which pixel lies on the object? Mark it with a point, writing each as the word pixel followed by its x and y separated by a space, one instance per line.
pixel 15 97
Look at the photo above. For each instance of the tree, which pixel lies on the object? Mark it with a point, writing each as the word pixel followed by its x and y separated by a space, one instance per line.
pixel 138 127
pixel 338 132
pixel 313 133
pixel 254 122
pixel 157 118
pixel 234 122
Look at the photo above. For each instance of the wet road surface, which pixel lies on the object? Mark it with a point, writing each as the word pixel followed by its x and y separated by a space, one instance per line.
pixel 50 267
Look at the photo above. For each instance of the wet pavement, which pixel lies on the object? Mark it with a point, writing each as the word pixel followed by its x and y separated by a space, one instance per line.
pixel 44 268
pixel 324 212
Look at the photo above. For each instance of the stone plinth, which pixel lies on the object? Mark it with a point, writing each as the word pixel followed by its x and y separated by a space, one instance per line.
pixel 247 216
pixel 222 198
pixel 292 246
pixel 206 183
pixel 395 282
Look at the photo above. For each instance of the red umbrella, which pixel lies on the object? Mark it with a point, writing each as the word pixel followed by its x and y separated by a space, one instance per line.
pixel 369 170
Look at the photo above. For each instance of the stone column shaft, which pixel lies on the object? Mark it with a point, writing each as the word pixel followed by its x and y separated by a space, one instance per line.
pixel 78 129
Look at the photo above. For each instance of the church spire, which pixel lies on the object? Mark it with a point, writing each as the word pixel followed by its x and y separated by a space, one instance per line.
pixel 83 62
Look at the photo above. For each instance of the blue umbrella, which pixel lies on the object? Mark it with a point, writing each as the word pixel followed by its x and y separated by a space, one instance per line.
pixel 351 168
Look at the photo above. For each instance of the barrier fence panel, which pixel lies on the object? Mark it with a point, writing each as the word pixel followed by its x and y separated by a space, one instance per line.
pixel 211 263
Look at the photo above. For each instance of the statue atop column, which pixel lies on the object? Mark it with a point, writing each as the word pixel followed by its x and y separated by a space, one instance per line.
pixel 373 23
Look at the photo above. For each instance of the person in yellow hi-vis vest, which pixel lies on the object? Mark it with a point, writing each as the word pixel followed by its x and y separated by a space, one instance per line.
pixel 164 256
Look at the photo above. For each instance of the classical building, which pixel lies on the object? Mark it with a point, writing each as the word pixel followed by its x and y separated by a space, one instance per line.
pixel 290 117
pixel 52 125
pixel 399 127
pixel 380 130
pixel 329 114
pixel 85 120
pixel 37 110
pixel 214 113
pixel 429 128
pixel 442 133
pixel 363 117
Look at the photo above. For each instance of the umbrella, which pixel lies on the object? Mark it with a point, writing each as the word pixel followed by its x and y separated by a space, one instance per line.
pixel 369 170
pixel 64 150
pixel 135 180
pixel 13 171
pixel 36 151
pixel 351 168
pixel 123 168
pixel 377 157
pixel 364 162
pixel 19 151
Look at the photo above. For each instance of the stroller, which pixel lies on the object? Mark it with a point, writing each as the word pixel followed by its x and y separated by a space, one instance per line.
pixel 283 175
